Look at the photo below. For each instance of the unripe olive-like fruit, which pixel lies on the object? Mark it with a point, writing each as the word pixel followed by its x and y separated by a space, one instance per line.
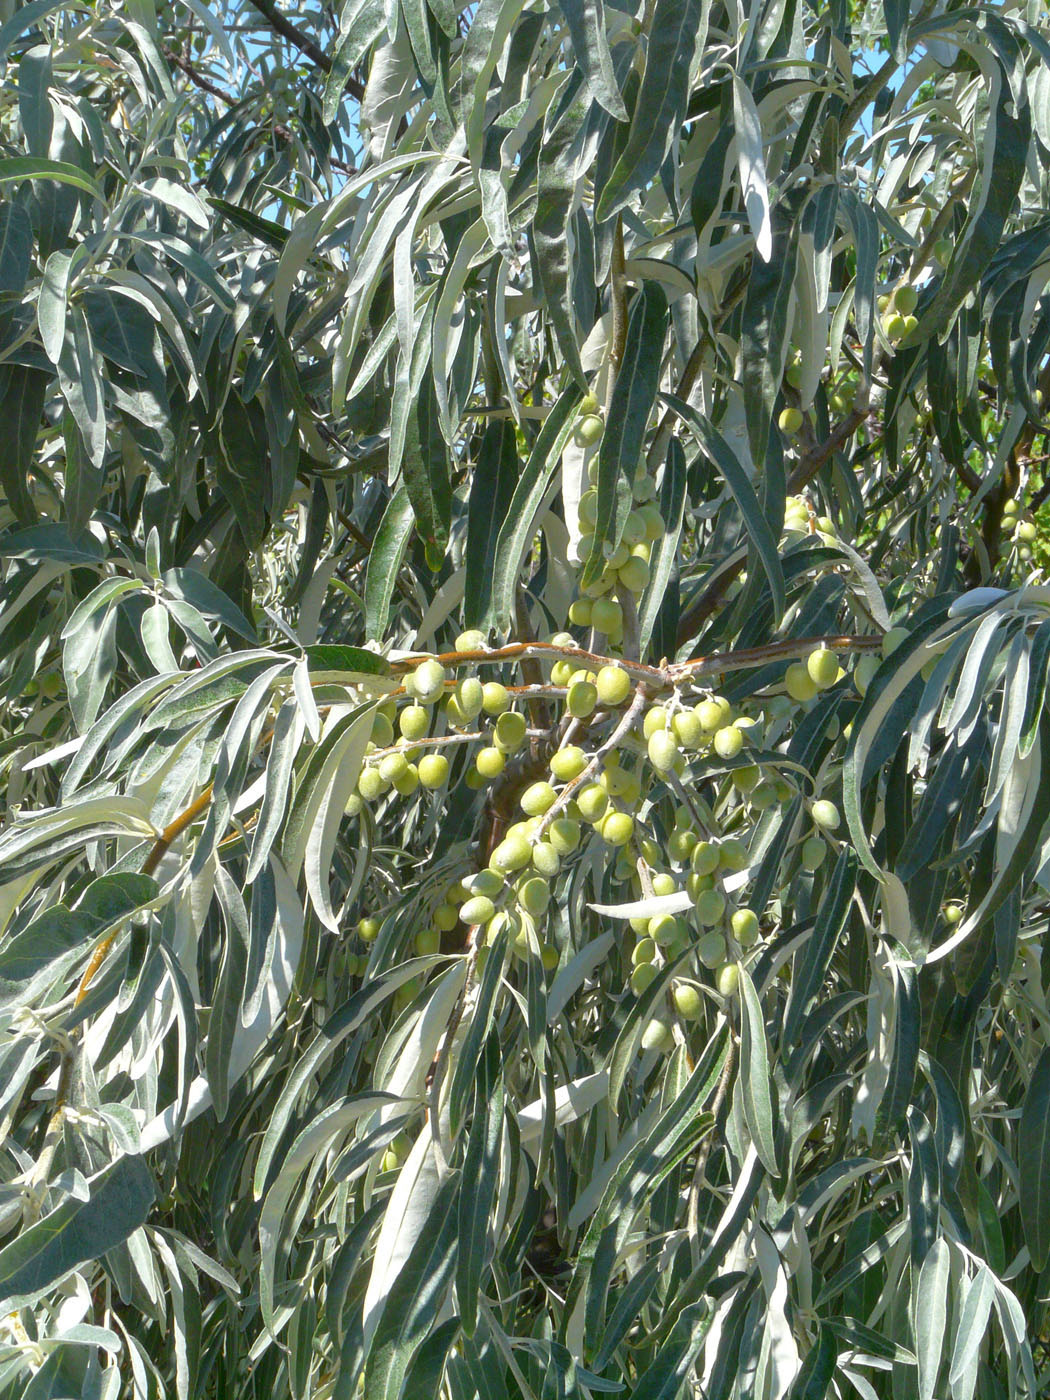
pixel 474 780
pixel 433 770
pixel 910 324
pixel 825 814
pixel 428 940
pixel 470 696
pixel 744 924
pixel 581 699
pixel 512 853
pixel 864 671
pixel 656 718
pixel 728 741
pixel 704 859
pixel 616 781
pixel 472 640
pixel 392 767
pixel 643 977
pixel 613 685
pixel 727 979
pixel 711 949
pixel 616 828
pixel 368 930
pixel 892 639
pixel 406 784
pixel 658 1036
pixel 588 404
pixel 490 763
pixel 549 957
pixel 814 852
pixel 680 843
pixel 654 521
pixel 763 796
pixel 1026 532
pixel 371 784
pixel 534 896
pixel 592 801
pixel 663 750
pixel 588 430
pixel 561 672
pixel 588 509
pixel 746 779
pixel 686 725
pixel 537 798
pixel 427 681
pixel 894 326
pixel 732 854
pixel 509 731
pixel 445 917
pixel 414 722
pixel 354 805
pixel 906 299
pixel 486 882
pixel 823 667
pixel 664 929
pixel 389 1162
pixel 635 575
pixel 606 615
pixel 382 731
pixel 545 859
pixel 664 883
pixel 952 914
pixel 581 612
pixel 568 763
pixel 644 951
pixel 479 909
pixel 713 713
pixel 942 250
pixel 634 529
pixel 790 420
pixel 455 716
pixel 564 835
pixel 710 906
pixel 799 684
pixel 688 1002
pixel 495 698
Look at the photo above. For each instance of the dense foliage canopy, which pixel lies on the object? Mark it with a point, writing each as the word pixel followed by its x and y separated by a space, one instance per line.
pixel 523 699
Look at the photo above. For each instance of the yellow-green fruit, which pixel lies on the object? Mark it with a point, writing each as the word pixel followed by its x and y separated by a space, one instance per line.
pixel 635 575
pixel 790 420
pixel 490 763
pixel 763 796
pixel 942 250
pixel 564 835
pixel 606 615
pixel 581 612
pixel 825 815
pixel 472 640
pixel 747 778
pixel 588 430
pixel 695 883
pixel 664 883
pixel 545 859
pixel 470 696
pixel 910 324
pixel 688 1002
pixel 581 699
pixel 568 763
pixel 906 299
pixel 455 716
pixel 592 801
pixel 663 750
pixel 634 529
pixel 427 681
pixel 664 929
pixel 414 722
pixel 704 859
pixel 894 326
pixel 616 781
pixel 368 930
pixel 427 941
pixel 588 404
pixel 863 673
pixel 686 725
pixel 588 509
pixel 509 731
pixel 658 1036
pixel 952 914
pixel 643 977
pixel 814 852
pixel 390 1161
pixel 534 896
pixel 732 854
pixel 711 949
pixel 393 767
pixel 445 917
pixel 354 805
pixel 549 957
pixel 617 828
pixel 744 924
pixel 727 979
pixel 1026 532
pixel 656 718
pixel 433 770
pixel 479 909
pixel 728 741
pixel 613 685
pixel 495 698
pixel 406 784
pixel 370 784
pixel 680 843
pixel 537 798
pixel 512 853
pixel 382 732
pixel 892 639
pixel 562 672
pixel 713 713
pixel 710 906
pixel 644 951
pixel 823 667
pixel 798 683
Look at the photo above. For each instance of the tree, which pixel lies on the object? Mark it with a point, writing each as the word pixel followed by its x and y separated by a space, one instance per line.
pixel 524 655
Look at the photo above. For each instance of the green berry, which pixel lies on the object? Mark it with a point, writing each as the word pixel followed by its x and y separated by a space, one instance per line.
pixel 490 763
pixel 546 860
pixel 663 750
pixel 368 930
pixel 479 909
pixel 433 770
pixel 711 949
pixel 825 815
pixel 564 835
pixel 892 639
pixel 634 575
pixel 407 782
pixel 568 763
pixel 427 941
pixel 588 430
pixel 512 853
pixel 414 722
pixel 747 778
pixel 823 667
pixel 732 854
pixel 495 698
pixel 510 731
pixel 643 977
pixel 688 1002
pixel 470 696
pixel 617 828
pixel 445 917
pixel 864 671
pixel 613 685
pixel 744 924
pixel 728 742
pixel 790 420
pixel 427 681
pixel 814 853
pixel 371 784
pixel 592 801
pixel 580 612
pixel 688 728
pixel 658 1036
pixel 799 684
pixel 644 951
pixel 710 907
pixel 537 798
pixel 704 858
pixel 382 732
pixel 581 699
pixel 393 767
pixel 727 979
pixel 473 640
pixel 486 882
pixel 906 299
pixel 534 896
pixel 713 713
pixel 606 616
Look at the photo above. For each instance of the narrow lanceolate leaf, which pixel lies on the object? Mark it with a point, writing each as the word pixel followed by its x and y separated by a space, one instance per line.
pixel 764 333
pixel 633 399
pixel 590 47
pixel 752 168
pixel 478 1191
pixel 755 1084
pixel 385 559
pixel 18 168
pixel 76 1232
pixel 1033 1162
pixel 716 447
pixel 16 247
pixel 676 30
pixel 426 469
pixel 974 1312
pixel 931 1315
pixel 491 493
pixel 520 524
pixel 22 393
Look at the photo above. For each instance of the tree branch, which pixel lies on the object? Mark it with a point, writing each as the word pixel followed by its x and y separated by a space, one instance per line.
pixel 283 26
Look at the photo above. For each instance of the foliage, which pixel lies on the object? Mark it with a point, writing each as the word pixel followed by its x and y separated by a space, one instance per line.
pixel 523 700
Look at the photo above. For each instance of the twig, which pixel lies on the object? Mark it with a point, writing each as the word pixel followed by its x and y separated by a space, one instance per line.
pixel 303 42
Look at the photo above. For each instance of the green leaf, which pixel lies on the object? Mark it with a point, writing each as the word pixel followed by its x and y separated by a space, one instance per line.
pixel 76 1232
pixel 555 194
pixel 343 661
pixel 16 247
pixel 1033 1162
pixel 586 24
pixel 491 493
pixel 18 168
pixel 931 1315
pixel 478 1187
pixel 755 1084
pixel 22 393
